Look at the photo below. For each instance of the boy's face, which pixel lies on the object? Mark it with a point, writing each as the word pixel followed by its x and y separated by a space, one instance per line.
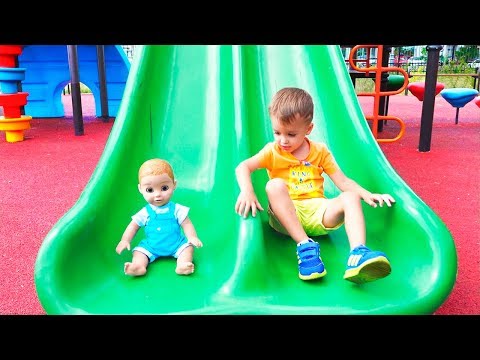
pixel 291 136
pixel 157 189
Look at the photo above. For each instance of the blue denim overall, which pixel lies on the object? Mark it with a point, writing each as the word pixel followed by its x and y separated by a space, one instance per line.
pixel 163 234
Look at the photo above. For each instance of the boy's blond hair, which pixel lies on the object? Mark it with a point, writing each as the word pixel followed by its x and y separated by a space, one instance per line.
pixel 289 102
pixel 155 167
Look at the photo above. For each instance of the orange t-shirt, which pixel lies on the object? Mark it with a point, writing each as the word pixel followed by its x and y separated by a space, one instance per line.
pixel 303 177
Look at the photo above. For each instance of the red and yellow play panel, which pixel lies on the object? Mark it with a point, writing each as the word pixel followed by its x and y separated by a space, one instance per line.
pixel 8 53
pixel 12 104
pixel 14 127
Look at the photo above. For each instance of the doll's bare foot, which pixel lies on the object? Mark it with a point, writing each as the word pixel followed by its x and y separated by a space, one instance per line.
pixel 184 268
pixel 134 269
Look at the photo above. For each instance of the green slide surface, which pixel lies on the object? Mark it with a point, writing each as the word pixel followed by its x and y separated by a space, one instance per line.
pixel 204 108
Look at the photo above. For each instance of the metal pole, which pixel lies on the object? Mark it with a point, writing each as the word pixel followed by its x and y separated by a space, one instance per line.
pixel 429 97
pixel 102 81
pixel 19 85
pixel 76 95
pixel 478 79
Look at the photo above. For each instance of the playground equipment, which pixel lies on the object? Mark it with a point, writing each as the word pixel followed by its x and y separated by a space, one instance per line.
pixel 394 83
pixel 12 101
pixel 8 55
pixel 48 74
pixel 204 109
pixel 418 89
pixel 458 98
pixel 392 87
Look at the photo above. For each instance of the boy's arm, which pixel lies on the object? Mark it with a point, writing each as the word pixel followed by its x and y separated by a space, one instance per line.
pixel 127 237
pixel 344 183
pixel 247 199
pixel 190 232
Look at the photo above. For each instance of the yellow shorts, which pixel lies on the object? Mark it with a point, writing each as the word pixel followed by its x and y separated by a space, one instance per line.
pixel 310 213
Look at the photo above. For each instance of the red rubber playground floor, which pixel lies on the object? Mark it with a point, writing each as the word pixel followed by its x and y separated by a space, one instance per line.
pixel 42 177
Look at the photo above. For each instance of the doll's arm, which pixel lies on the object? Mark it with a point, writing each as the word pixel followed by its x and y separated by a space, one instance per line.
pixel 127 237
pixel 190 233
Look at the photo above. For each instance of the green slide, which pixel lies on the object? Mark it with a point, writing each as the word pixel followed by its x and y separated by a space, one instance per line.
pixel 204 108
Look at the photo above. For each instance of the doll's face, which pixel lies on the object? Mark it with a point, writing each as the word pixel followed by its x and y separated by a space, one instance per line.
pixel 157 189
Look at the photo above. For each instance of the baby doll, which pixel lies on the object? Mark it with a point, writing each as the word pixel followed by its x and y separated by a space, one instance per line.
pixel 163 221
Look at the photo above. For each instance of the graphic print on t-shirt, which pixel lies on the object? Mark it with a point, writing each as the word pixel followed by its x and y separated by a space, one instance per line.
pixel 300 180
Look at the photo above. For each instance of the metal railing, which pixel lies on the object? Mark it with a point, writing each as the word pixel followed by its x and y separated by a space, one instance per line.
pixel 420 66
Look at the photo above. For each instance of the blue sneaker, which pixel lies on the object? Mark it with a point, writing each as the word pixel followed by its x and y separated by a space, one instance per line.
pixel 310 265
pixel 365 265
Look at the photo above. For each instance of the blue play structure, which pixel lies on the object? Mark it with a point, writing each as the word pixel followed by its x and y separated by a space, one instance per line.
pixel 48 73
pixel 458 98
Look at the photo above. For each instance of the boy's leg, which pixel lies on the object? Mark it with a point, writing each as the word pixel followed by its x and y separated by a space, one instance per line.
pixel 363 264
pixel 347 207
pixel 310 265
pixel 284 210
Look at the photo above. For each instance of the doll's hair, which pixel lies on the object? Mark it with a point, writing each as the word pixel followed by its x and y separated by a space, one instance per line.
pixel 289 102
pixel 155 167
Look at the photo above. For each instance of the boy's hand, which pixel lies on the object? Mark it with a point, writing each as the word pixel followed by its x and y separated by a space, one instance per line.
pixel 247 202
pixel 122 245
pixel 195 242
pixel 379 199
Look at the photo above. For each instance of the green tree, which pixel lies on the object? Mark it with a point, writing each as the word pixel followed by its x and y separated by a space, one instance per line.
pixel 467 53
